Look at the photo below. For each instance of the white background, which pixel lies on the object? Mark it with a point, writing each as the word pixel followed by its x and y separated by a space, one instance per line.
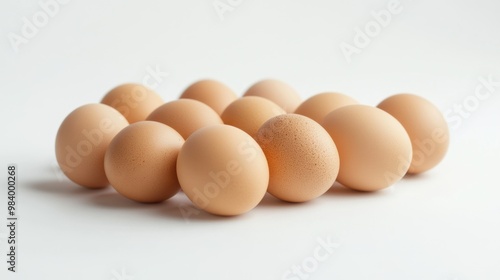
pixel 443 225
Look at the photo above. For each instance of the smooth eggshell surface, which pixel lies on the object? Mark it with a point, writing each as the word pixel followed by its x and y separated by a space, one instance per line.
pixel 374 148
pixel 82 140
pixel 141 161
pixel 213 93
pixel 250 112
pixel 319 105
pixel 134 101
pixel 426 126
pixel 223 170
pixel 278 92
pixel 303 159
pixel 185 116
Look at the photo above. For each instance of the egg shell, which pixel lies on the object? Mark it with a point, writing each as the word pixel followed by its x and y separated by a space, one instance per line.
pixel 374 148
pixel 82 140
pixel 318 106
pixel 303 159
pixel 426 126
pixel 185 116
pixel 213 93
pixel 250 112
pixel 134 101
pixel 140 162
pixel 278 92
pixel 222 170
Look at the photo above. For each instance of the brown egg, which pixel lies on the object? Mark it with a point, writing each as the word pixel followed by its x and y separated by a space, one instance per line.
pixel 278 92
pixel 223 170
pixel 303 159
pixel 140 161
pixel 82 140
pixel 374 148
pixel 250 112
pixel 425 125
pixel 134 101
pixel 185 116
pixel 319 105
pixel 213 93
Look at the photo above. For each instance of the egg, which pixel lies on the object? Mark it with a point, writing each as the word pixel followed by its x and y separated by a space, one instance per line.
pixel 222 170
pixel 82 140
pixel 426 126
pixel 185 116
pixel 213 93
pixel 303 160
pixel 374 148
pixel 134 101
pixel 250 112
pixel 277 91
pixel 318 106
pixel 140 161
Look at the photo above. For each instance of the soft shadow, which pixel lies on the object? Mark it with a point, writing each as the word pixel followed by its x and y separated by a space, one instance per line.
pixel 339 190
pixel 411 177
pixel 170 208
pixel 271 201
pixel 64 188
pixel 179 207
pixel 115 200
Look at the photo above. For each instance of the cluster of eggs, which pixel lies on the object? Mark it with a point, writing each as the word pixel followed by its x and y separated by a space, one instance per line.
pixel 226 152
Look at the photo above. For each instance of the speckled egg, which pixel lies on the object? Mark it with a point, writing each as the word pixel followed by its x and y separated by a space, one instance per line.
pixel 303 159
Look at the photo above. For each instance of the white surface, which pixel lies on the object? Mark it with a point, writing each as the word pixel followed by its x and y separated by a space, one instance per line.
pixel 442 225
